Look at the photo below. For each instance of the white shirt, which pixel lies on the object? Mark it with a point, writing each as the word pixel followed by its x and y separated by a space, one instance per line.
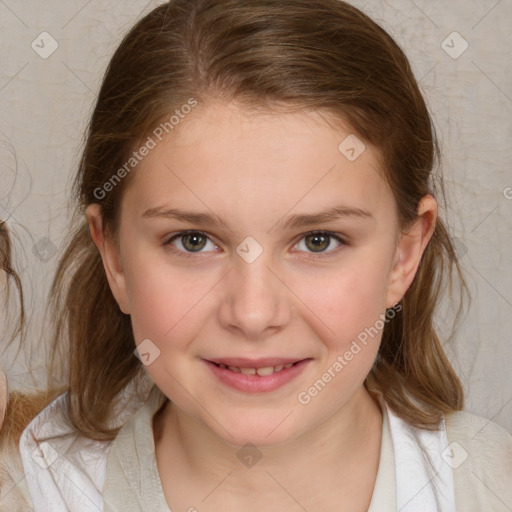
pixel 66 472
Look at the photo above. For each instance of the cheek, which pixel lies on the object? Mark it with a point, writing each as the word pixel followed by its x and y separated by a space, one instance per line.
pixel 344 302
pixel 158 297
pixel 351 303
pixel 166 302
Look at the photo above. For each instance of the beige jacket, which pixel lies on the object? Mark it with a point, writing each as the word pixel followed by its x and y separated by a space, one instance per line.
pixel 479 453
pixel 67 473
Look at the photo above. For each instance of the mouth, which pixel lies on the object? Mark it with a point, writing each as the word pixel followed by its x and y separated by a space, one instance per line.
pixel 262 371
pixel 255 376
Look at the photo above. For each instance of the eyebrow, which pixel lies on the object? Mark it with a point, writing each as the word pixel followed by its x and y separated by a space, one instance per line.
pixel 293 221
pixel 185 216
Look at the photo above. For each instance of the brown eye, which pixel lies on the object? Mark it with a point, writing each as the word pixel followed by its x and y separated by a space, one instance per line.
pixel 319 242
pixel 191 242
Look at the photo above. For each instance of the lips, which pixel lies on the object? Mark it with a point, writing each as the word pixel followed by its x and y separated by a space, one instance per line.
pixel 256 375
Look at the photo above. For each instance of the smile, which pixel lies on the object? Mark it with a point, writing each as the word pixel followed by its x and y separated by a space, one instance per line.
pixel 256 376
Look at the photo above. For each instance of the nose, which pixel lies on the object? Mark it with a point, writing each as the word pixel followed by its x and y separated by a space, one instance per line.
pixel 255 301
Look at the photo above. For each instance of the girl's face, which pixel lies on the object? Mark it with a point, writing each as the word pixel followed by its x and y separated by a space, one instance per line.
pixel 251 242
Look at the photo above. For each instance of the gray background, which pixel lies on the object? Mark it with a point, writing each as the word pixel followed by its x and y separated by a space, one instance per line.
pixel 45 104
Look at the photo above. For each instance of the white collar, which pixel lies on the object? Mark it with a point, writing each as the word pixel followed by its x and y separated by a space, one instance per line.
pixel 424 481
pixel 87 478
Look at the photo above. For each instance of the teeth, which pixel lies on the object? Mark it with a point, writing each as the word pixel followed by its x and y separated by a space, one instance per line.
pixel 262 372
pixel 269 370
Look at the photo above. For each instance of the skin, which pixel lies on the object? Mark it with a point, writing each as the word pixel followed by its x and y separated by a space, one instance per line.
pixel 254 171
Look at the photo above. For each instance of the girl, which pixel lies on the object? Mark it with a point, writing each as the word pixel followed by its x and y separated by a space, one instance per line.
pixel 257 219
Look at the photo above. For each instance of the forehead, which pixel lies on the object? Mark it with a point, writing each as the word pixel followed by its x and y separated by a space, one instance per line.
pixel 259 162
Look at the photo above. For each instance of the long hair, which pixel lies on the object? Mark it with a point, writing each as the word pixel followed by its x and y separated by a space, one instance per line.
pixel 8 275
pixel 296 54
pixel 16 408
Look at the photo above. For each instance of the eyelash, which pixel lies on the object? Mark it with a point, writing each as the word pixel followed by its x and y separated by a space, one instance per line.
pixel 312 255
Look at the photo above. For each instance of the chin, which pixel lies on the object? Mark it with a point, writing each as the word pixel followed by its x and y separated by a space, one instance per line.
pixel 271 432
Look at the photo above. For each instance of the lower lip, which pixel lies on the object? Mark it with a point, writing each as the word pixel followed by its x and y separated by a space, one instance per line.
pixel 256 383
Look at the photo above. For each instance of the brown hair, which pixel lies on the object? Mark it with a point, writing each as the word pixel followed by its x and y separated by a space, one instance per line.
pixel 9 274
pixel 16 408
pixel 323 55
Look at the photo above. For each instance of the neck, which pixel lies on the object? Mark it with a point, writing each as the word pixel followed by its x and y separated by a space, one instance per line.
pixel 333 452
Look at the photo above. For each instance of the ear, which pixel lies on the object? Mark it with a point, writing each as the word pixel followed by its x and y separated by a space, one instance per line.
pixel 411 244
pixel 110 256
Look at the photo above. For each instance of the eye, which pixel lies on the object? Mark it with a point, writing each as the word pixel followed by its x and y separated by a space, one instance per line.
pixel 191 242
pixel 320 242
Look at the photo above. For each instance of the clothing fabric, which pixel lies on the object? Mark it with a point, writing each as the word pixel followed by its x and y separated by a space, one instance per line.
pixel 465 466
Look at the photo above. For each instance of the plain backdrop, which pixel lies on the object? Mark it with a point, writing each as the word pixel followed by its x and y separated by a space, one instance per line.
pixel 460 52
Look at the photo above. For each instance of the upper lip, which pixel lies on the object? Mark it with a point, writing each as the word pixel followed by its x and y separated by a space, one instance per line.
pixel 264 362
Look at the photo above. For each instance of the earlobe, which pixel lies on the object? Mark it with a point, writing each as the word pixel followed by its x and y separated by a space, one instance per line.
pixel 410 248
pixel 110 256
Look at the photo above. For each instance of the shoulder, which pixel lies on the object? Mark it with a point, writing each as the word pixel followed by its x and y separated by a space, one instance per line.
pixel 479 436
pixel 64 470
pixel 480 453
